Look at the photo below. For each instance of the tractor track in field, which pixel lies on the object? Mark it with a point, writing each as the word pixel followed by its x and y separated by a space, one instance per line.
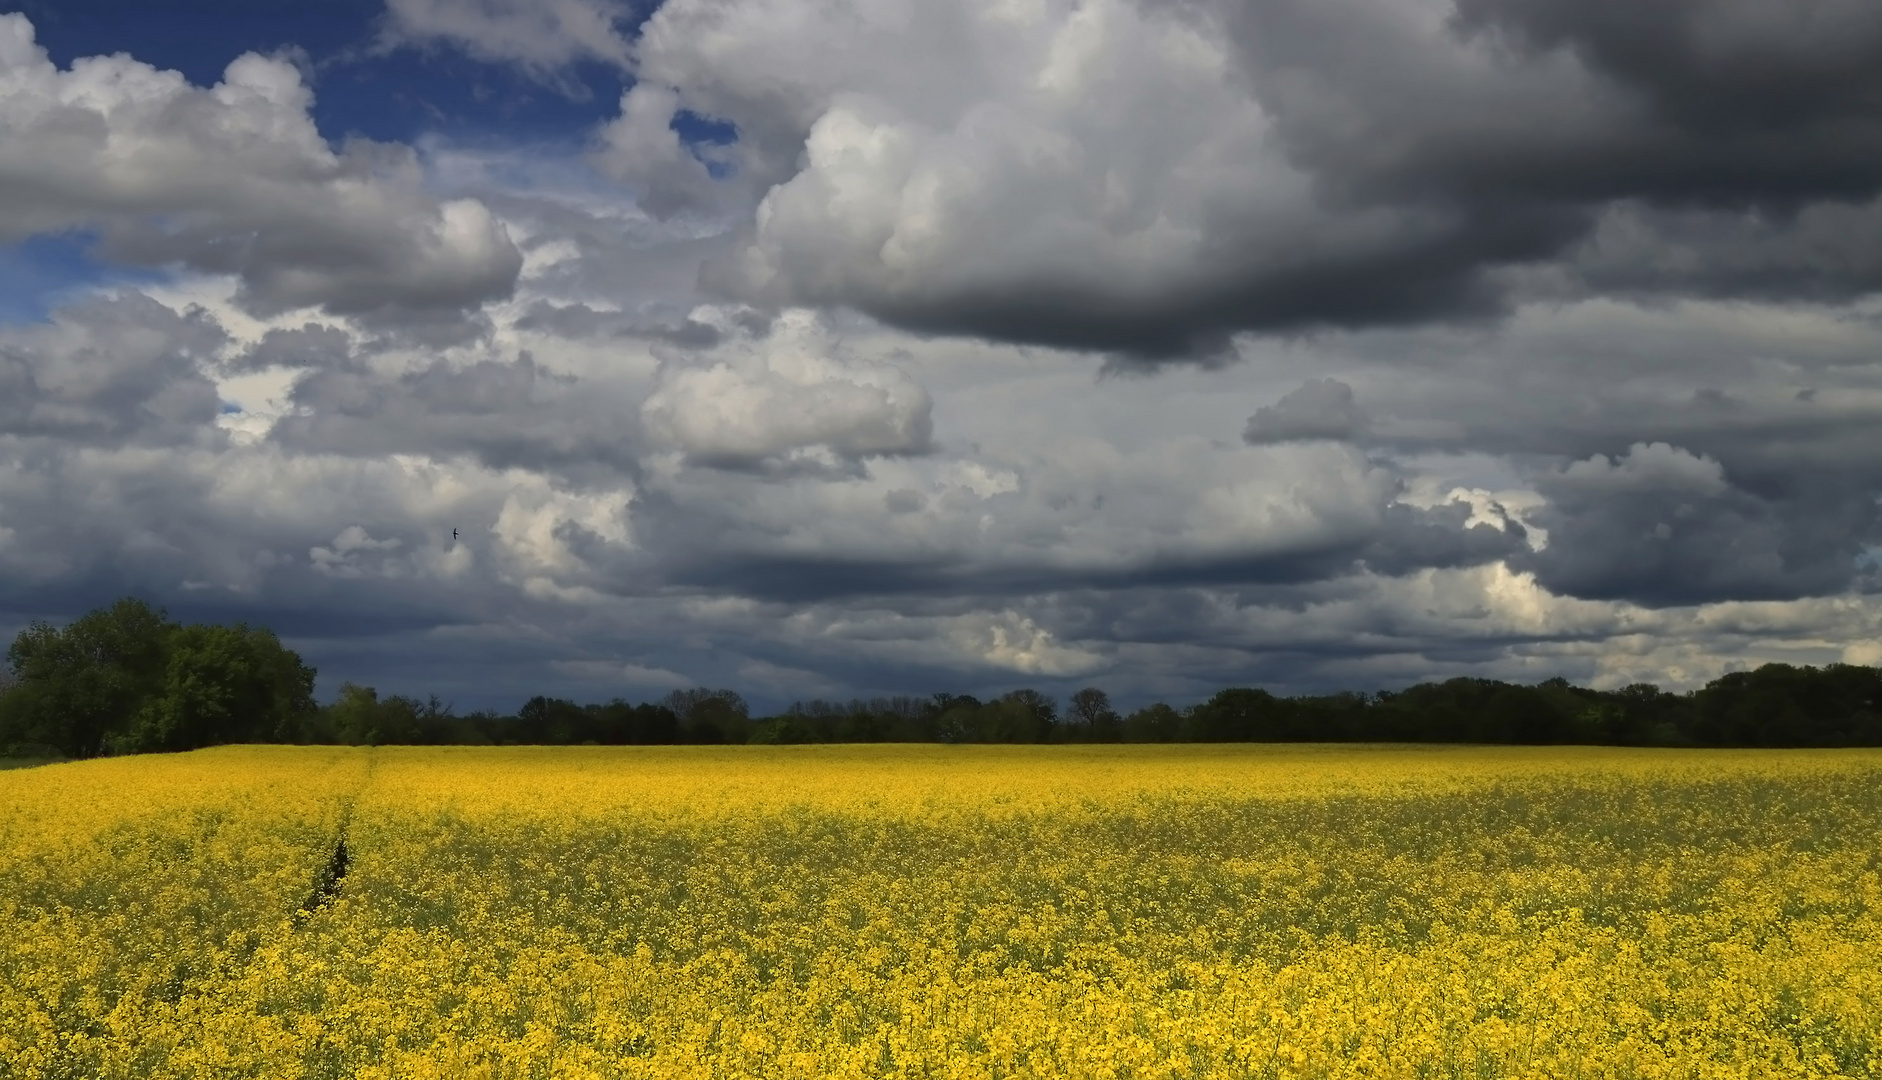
pixel 332 874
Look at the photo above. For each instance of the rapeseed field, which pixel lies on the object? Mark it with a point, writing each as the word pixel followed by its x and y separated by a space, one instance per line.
pixel 943 911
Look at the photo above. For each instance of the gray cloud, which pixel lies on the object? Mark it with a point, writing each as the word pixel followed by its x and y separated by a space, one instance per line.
pixel 1753 466
pixel 114 370
pixel 504 413
pixel 1823 252
pixel 1731 70
pixel 1319 409
pixel 234 179
pixel 1657 462
pixel 581 322
pixel 1167 570
pixel 1150 180
pixel 641 148
pixel 1184 512
pixel 1412 539
pixel 1661 526
pixel 310 345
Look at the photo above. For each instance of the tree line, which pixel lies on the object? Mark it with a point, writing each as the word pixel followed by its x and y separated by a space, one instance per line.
pixel 127 679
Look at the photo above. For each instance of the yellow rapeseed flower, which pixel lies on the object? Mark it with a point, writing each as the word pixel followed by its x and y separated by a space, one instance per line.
pixel 943 911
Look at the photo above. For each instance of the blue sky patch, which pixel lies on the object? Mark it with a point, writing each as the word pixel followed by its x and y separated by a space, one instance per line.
pixel 41 272
pixel 389 96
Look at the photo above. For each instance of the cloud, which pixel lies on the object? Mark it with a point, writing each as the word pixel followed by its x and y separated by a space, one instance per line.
pixel 1645 468
pixel 540 36
pixel 1866 653
pixel 618 673
pixel 1148 180
pixel 233 179
pixel 1082 515
pixel 1738 69
pixel 766 414
pixel 1662 526
pixel 1164 568
pixel 1012 641
pixel 1823 251
pixel 1692 451
pixel 788 392
pixel 1319 409
pixel 351 393
pixel 114 370
pixel 308 346
pixel 1112 184
pixel 1446 536
pixel 641 148
pixel 346 553
pixel 506 412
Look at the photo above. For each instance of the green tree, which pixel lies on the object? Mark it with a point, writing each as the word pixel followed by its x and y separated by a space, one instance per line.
pixel 224 684
pixel 1026 716
pixel 1154 723
pixel 710 716
pixel 1242 714
pixel 81 685
pixel 547 721
pixel 358 718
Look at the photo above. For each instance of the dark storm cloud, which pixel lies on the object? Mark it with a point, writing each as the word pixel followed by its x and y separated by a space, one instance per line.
pixel 1319 409
pixel 1422 278
pixel 1022 552
pixel 1284 638
pixel 1697 103
pixel 1361 163
pixel 1821 252
pixel 1442 537
pixel 1741 135
pixel 1810 73
pixel 1662 526
pixel 1775 406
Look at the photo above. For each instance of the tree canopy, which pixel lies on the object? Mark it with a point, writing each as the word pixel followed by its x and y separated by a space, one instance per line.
pixel 126 679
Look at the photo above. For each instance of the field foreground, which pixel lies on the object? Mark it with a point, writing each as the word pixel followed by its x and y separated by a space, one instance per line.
pixel 943 911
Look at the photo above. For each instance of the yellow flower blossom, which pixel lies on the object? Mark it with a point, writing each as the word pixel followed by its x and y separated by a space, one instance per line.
pixel 943 911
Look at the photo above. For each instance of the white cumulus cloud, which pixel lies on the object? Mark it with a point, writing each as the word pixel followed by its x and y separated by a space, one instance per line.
pixel 234 179
pixel 541 36
pixel 789 390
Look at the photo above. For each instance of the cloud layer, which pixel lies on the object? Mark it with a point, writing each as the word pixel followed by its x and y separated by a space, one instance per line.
pixel 233 179
pixel 1311 345
pixel 1149 179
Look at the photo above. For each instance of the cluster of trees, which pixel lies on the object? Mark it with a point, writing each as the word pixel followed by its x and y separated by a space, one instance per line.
pixel 360 717
pixel 126 679
pixel 1775 705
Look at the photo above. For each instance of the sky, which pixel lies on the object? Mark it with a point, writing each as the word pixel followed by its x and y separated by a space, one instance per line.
pixel 833 348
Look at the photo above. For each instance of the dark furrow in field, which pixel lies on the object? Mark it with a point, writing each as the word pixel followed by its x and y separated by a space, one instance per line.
pixel 327 880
